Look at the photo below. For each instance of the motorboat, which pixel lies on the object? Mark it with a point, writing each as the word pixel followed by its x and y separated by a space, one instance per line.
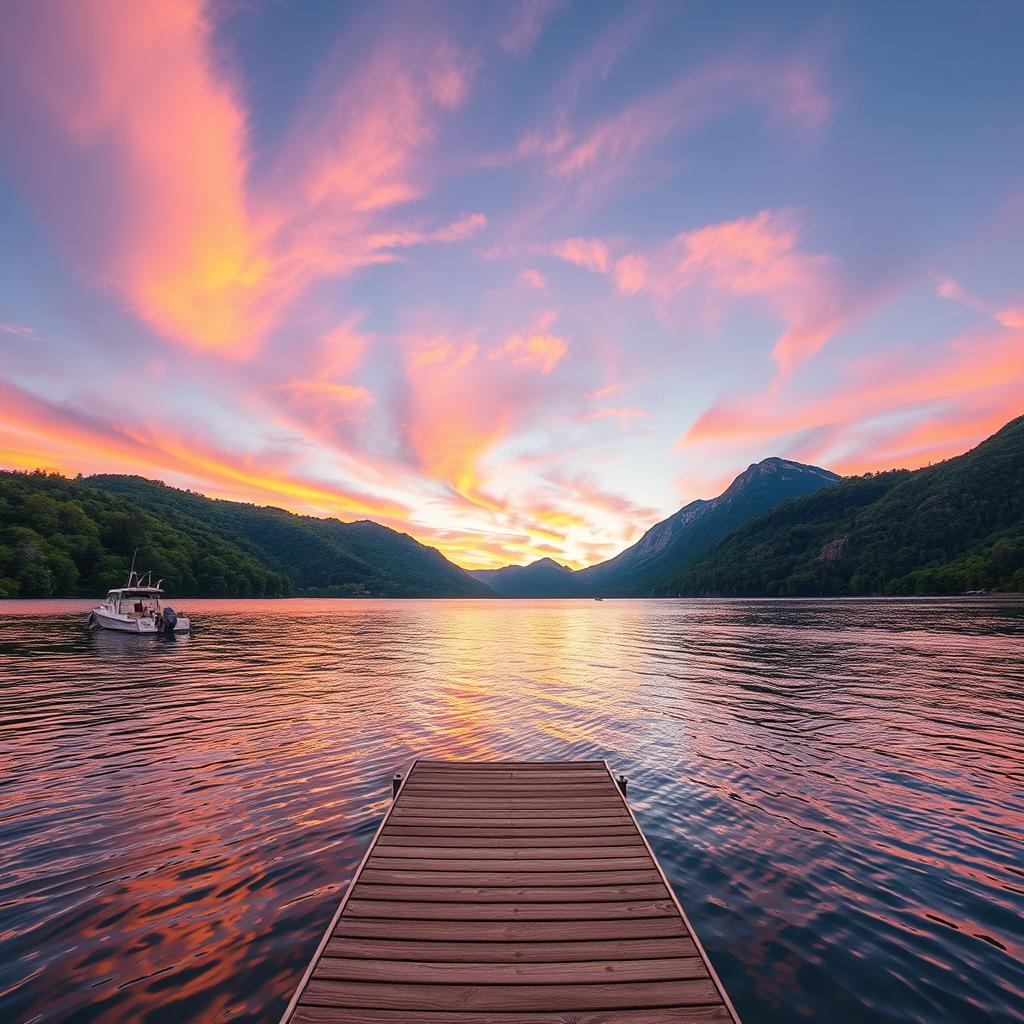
pixel 137 608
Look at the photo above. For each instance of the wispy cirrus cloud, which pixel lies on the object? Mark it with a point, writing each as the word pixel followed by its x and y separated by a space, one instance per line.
pixel 903 413
pixel 603 153
pixel 527 19
pixel 1011 317
pixel 19 331
pixel 158 201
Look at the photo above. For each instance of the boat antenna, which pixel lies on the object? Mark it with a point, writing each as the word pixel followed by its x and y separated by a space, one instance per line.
pixel 131 571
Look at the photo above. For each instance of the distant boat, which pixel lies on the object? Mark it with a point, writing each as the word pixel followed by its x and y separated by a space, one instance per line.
pixel 598 598
pixel 136 608
pixel 976 593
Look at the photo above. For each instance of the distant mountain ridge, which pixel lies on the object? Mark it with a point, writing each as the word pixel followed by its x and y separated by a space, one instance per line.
pixel 543 578
pixel 669 546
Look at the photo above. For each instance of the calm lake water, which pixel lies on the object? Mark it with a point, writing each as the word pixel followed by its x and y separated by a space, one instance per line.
pixel 836 788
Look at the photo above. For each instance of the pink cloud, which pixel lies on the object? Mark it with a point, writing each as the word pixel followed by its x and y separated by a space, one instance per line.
pixel 459 230
pixel 588 253
pixel 20 331
pixel 533 278
pixel 1008 317
pixel 760 256
pixel 584 488
pixel 630 274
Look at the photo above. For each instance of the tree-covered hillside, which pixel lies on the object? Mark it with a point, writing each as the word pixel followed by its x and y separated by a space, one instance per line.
pixel 946 529
pixel 60 537
pixel 321 557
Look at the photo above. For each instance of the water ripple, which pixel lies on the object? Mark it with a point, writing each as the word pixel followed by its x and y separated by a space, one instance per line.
pixel 836 788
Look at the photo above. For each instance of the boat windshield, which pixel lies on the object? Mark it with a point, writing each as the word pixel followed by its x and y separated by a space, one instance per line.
pixel 135 603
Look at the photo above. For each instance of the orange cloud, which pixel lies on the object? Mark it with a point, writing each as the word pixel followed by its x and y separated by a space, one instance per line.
pixel 145 141
pixel 585 489
pixel 87 442
pixel 461 229
pixel 540 351
pixel 328 402
pixel 976 382
pixel 156 137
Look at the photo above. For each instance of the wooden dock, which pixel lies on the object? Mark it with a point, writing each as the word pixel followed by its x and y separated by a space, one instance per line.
pixel 512 892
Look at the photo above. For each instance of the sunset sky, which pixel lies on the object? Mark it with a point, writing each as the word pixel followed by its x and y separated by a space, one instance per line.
pixel 517 278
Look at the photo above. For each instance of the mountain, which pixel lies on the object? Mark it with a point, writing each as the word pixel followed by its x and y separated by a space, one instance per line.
pixel 543 578
pixel 945 529
pixel 61 537
pixel 670 546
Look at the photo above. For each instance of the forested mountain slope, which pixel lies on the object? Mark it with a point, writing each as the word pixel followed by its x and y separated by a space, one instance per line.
pixel 320 556
pixel 61 537
pixel 945 529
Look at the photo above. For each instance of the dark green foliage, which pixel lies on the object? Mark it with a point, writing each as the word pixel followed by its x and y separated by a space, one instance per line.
pixel 950 528
pixel 62 537
pixel 320 557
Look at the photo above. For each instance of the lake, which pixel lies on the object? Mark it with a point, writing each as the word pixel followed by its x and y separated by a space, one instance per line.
pixel 836 788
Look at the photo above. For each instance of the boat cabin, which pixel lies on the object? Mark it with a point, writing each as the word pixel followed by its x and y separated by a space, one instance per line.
pixel 133 602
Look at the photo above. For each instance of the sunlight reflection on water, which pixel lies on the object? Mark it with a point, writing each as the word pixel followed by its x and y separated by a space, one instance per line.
pixel 836 788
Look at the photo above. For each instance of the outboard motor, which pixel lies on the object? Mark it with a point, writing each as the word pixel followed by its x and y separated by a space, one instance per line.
pixel 92 621
pixel 170 620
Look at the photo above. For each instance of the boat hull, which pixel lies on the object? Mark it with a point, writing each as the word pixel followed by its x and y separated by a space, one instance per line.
pixel 142 626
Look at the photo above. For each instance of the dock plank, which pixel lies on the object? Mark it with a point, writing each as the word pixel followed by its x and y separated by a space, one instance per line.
pixel 512 931
pixel 680 1015
pixel 509 893
pixel 445 951
pixel 438 973
pixel 623 995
